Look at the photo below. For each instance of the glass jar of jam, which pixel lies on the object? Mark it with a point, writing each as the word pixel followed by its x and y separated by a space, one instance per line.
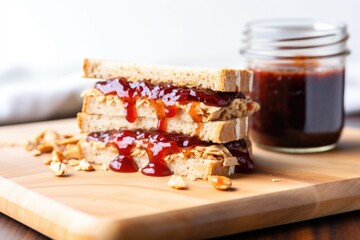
pixel 299 74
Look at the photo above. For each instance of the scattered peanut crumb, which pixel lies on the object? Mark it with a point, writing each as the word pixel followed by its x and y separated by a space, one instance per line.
pixel 220 182
pixel 49 141
pixel 57 156
pixel 177 182
pixel 58 168
pixel 84 166
pixel 45 148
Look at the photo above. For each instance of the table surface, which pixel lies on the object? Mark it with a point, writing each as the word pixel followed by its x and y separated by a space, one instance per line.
pixel 341 226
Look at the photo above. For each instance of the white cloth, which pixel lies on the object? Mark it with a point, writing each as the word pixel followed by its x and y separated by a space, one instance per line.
pixel 27 99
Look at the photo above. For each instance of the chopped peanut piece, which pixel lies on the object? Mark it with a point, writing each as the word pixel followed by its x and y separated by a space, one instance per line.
pixel 84 166
pixel 58 168
pixel 57 156
pixel 45 148
pixel 177 182
pixel 220 182
pixel 49 140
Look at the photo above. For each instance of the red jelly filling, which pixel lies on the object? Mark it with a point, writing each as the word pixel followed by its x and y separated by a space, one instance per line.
pixel 163 97
pixel 158 145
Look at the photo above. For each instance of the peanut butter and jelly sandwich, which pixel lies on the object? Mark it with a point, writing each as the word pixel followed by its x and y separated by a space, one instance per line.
pixel 164 120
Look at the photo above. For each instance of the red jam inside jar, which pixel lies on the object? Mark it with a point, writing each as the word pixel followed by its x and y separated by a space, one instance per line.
pixel 299 109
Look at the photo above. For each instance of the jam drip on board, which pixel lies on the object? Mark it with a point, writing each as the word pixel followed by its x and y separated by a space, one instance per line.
pixel 158 145
pixel 163 97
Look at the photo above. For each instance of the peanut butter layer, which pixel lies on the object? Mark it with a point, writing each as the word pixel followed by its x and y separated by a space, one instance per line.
pixel 97 103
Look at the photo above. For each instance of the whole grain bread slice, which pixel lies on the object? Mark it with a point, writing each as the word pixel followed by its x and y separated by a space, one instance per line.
pixel 214 131
pixel 224 80
pixel 195 166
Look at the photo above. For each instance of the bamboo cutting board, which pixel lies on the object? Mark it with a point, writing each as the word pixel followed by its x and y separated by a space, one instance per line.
pixel 107 205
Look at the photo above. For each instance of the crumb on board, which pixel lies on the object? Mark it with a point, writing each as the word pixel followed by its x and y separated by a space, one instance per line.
pixel 220 182
pixel 177 182
pixel 58 168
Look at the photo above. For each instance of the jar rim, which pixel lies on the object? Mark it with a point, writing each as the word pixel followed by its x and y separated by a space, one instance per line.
pixel 295 27
pixel 286 38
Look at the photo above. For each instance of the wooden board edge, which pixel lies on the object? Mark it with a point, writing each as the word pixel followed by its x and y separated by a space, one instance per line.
pixel 58 222
pixel 207 221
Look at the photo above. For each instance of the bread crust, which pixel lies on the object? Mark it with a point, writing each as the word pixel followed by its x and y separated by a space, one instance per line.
pixel 224 80
pixel 214 131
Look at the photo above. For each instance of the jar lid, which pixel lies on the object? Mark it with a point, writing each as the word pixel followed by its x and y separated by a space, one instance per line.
pixel 294 37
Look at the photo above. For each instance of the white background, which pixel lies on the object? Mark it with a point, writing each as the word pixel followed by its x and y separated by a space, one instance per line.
pixel 198 32
pixel 42 39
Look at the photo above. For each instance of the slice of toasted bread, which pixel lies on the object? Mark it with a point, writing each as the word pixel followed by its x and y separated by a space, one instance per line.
pixel 195 166
pixel 215 131
pixel 97 103
pixel 224 80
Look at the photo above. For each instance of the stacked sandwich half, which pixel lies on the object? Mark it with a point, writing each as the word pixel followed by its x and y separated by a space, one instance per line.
pixel 164 120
